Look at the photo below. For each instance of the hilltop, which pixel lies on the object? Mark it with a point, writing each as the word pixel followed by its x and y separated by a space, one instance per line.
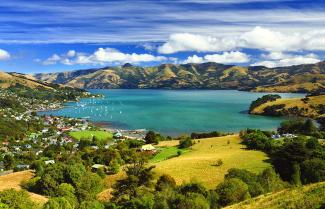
pixel 299 78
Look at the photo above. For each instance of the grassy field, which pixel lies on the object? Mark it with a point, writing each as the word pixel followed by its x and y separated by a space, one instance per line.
pixel 13 181
pixel 199 163
pixel 295 102
pixel 102 135
pixel 306 197
pixel 165 153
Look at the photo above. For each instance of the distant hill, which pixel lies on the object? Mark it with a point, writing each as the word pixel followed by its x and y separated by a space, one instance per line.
pixel 306 197
pixel 12 79
pixel 8 80
pixel 300 78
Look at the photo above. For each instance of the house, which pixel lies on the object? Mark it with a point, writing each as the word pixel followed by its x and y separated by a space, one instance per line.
pixel 95 167
pixel 49 162
pixel 27 146
pixel 94 147
pixel 22 166
pixel 5 143
pixel 45 130
pixel 148 148
pixel 117 135
pixel 289 135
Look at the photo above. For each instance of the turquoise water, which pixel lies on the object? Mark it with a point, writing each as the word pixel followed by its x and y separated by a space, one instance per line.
pixel 172 112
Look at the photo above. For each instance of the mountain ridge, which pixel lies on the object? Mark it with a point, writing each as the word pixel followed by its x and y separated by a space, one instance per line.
pixel 210 75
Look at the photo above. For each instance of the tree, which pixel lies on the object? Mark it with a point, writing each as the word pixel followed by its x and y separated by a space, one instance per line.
pixel 88 186
pixel 138 179
pixel 284 158
pixel 151 138
pixel 270 181
pixel 254 187
pixel 312 143
pixel 8 162
pixel 189 201
pixel 309 127
pixel 295 178
pixel 193 188
pixel 68 192
pixel 58 203
pixel 185 143
pixel 313 170
pixel 231 191
pixel 93 204
pixel 165 181
pixel 16 199
pixel 4 206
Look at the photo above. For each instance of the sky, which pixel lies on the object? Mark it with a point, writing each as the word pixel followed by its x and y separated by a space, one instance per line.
pixel 39 36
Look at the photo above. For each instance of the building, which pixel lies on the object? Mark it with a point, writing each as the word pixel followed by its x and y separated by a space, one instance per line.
pixel 95 167
pixel 148 148
pixel 49 162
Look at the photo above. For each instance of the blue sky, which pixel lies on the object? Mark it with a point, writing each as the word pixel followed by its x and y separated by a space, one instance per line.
pixel 59 35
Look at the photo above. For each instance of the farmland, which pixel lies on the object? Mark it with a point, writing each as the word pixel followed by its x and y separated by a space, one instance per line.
pixel 199 164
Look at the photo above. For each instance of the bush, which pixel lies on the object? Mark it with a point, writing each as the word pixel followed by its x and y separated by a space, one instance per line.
pixel 254 186
pixel 231 191
pixel 219 162
pixel 185 143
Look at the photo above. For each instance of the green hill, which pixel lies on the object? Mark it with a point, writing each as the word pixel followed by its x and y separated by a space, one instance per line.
pixel 306 197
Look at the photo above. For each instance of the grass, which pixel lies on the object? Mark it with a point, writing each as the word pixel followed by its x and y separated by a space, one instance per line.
pixel 199 163
pixel 165 153
pixel 309 196
pixel 101 135
pixel 13 181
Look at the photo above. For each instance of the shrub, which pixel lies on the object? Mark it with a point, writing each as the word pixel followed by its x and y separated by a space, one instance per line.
pixel 185 143
pixel 231 191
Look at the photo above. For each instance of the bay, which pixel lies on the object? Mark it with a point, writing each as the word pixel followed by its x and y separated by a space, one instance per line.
pixel 172 112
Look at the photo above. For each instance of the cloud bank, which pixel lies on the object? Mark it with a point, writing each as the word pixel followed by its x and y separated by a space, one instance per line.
pixel 225 58
pixel 259 38
pixel 278 59
pixel 102 56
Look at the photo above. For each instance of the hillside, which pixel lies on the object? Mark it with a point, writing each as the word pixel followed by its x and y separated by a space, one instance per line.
pixel 199 163
pixel 311 106
pixel 306 197
pixel 12 79
pixel 14 180
pixel 300 78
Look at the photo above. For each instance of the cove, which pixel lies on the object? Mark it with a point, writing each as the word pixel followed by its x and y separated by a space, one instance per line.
pixel 172 112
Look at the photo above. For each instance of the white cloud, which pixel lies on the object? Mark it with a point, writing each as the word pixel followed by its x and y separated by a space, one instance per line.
pixel 52 60
pixel 191 42
pixel 275 55
pixel 71 53
pixel 225 58
pixel 258 38
pixel 4 55
pixel 194 59
pixel 102 56
pixel 289 60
